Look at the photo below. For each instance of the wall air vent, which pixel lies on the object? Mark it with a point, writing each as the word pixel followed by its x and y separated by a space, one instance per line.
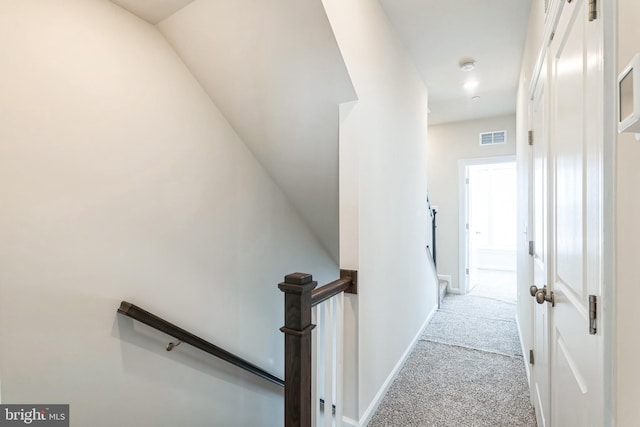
pixel 492 138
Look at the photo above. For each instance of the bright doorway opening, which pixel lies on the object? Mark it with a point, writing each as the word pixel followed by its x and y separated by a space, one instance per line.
pixel 488 226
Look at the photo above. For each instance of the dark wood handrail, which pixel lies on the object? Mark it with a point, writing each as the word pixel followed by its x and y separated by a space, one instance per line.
pixel 160 324
pixel 329 290
pixel 347 283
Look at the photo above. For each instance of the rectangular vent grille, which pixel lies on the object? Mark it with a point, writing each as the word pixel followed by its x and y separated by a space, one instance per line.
pixel 492 138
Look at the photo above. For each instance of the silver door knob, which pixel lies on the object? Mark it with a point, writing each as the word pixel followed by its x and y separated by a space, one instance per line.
pixel 542 296
pixel 533 290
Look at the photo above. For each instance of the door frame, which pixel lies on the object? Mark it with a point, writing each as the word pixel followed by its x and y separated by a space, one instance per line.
pixel 609 13
pixel 463 203
pixel 540 327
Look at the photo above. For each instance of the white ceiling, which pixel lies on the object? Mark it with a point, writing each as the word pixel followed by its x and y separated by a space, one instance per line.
pixel 440 33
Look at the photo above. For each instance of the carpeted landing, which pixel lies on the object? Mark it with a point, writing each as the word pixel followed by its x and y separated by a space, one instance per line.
pixel 467 370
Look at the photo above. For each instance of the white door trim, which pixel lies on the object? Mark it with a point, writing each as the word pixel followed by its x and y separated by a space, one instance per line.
pixel 609 13
pixel 462 287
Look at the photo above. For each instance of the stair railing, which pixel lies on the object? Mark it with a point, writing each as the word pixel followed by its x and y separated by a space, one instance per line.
pixel 432 213
pixel 183 336
pixel 314 358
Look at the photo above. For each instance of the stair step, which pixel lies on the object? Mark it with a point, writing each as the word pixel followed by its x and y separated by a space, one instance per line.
pixel 443 288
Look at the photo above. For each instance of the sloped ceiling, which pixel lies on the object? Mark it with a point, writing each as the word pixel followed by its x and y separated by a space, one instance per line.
pixel 152 11
pixel 275 71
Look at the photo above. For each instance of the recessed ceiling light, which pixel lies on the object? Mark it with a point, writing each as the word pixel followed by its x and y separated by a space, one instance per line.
pixel 467 65
pixel 471 84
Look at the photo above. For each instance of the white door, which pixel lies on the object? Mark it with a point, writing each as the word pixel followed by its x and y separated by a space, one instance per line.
pixel 467 244
pixel 540 370
pixel 574 258
pixel 471 233
pixel 483 199
pixel 477 212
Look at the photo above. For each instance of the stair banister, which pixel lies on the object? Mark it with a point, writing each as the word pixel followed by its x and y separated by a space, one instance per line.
pixel 300 297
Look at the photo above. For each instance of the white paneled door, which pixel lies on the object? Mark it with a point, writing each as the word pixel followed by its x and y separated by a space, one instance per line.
pixel 568 372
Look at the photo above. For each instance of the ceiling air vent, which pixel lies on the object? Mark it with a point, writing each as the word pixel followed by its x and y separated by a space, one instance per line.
pixel 492 138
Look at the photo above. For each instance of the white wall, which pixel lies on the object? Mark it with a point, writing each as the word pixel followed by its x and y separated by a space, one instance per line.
pixel 627 208
pixel 386 131
pixel 448 144
pixel 121 180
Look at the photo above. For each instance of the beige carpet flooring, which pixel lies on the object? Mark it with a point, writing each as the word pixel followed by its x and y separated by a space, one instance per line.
pixel 467 370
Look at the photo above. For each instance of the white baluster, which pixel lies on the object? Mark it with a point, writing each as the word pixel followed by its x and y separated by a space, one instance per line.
pixel 339 355
pixel 315 345
pixel 328 361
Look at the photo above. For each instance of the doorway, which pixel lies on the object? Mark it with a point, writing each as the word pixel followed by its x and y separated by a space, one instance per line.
pixel 488 226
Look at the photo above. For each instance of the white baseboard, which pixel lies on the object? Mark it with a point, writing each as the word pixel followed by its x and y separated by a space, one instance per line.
pixel 373 406
pixel 497 268
pixel 346 421
pixel 525 354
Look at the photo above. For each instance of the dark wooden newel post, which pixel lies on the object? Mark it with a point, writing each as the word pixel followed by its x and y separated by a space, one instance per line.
pixel 297 328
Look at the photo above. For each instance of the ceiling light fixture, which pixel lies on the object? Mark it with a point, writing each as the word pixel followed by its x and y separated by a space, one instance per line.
pixel 467 65
pixel 471 84
pixel 475 98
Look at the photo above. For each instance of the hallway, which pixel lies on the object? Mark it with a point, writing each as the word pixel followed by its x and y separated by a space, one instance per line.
pixel 467 368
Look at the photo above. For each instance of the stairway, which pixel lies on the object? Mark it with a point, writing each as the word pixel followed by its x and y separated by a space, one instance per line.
pixel 442 290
